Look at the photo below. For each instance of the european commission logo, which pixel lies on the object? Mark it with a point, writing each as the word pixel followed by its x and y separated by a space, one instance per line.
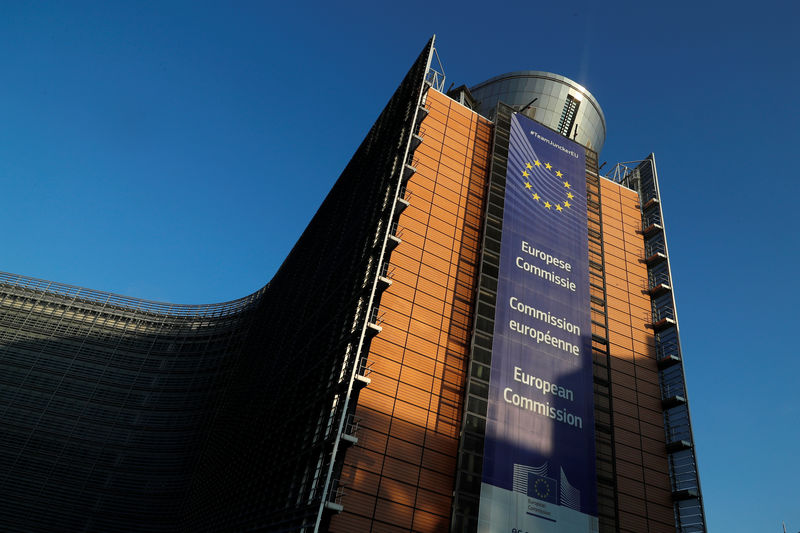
pixel 535 482
pixel 542 488
pixel 547 186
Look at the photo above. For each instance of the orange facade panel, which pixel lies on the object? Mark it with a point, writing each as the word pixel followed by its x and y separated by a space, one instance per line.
pixel 394 513
pixel 424 521
pixel 641 460
pixel 411 410
pixel 400 474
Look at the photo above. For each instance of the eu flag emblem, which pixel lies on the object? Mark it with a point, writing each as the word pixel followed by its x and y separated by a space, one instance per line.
pixel 548 187
pixel 543 488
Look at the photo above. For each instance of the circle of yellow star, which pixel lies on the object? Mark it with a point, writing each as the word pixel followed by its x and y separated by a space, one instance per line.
pixel 541 488
pixel 525 173
pixel 559 208
pixel 528 166
pixel 528 185
pixel 567 185
pixel 547 205
pixel 548 166
pixel 567 204
pixel 537 163
pixel 558 173
pixel 536 197
pixel 570 195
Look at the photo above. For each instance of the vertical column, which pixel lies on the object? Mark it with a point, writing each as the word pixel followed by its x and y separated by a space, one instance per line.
pixel 399 475
pixel 641 463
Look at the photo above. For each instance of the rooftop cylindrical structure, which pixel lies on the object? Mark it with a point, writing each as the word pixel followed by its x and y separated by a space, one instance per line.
pixel 561 104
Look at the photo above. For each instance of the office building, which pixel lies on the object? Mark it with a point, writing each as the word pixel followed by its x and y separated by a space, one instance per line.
pixel 476 331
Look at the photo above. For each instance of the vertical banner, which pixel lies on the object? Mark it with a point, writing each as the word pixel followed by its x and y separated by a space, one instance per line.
pixel 539 462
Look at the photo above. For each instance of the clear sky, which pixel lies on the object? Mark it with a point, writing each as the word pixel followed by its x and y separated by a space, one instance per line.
pixel 175 151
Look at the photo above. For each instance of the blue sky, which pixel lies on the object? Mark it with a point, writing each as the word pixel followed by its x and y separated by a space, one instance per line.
pixel 175 151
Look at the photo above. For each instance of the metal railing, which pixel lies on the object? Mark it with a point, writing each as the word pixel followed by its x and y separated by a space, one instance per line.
pixel 364 368
pixel 656 278
pixel 653 247
pixel 672 383
pixel 650 219
pixel 127 303
pixel 387 270
pixel 683 470
pixel 376 316
pixel 667 351
pixel 351 425
pixel 435 75
pixel 405 194
pixel 676 424
pixel 689 516
pixel 396 231
pixel 336 492
pixel 661 313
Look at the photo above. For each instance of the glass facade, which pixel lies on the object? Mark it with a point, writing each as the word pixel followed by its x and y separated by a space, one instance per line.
pixel 118 414
pixel 350 393
pixel 104 403
pixel 557 98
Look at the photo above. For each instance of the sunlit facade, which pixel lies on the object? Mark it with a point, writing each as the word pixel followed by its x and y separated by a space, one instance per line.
pixel 351 392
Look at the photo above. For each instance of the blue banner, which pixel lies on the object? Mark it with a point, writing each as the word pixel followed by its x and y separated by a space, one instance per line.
pixel 539 459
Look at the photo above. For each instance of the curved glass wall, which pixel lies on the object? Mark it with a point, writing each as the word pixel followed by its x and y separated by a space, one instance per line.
pixel 104 401
pixel 119 414
pixel 561 104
